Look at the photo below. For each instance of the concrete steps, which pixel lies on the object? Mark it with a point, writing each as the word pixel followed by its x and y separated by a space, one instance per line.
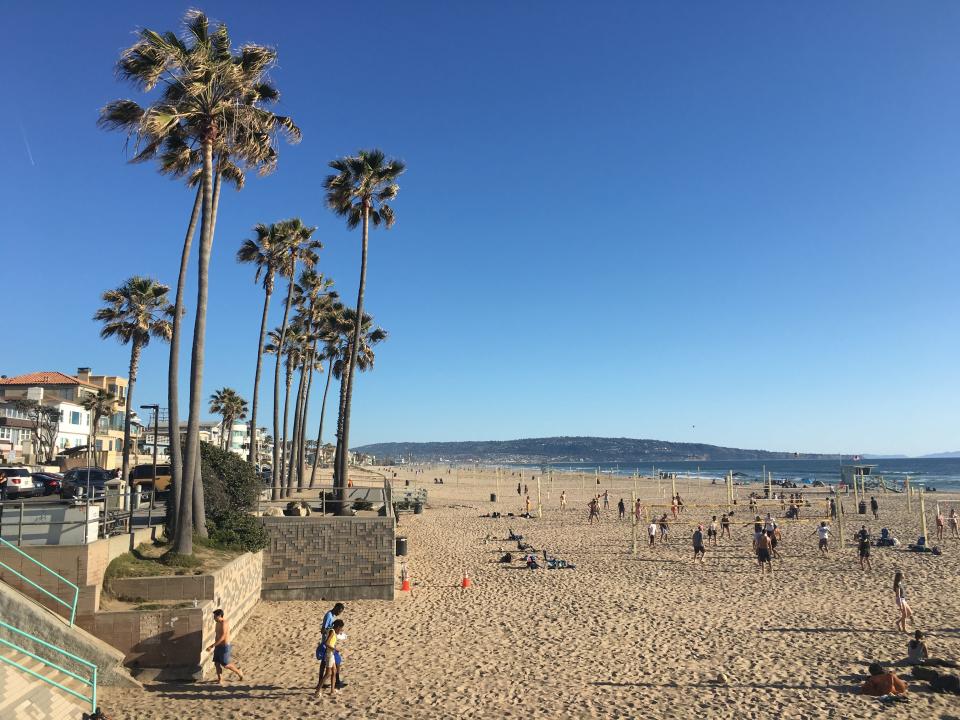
pixel 24 697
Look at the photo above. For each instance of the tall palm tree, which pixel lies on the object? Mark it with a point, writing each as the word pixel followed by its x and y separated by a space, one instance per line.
pixel 227 403
pixel 215 101
pixel 300 247
pixel 363 359
pixel 360 191
pixel 99 405
pixel 136 311
pixel 266 253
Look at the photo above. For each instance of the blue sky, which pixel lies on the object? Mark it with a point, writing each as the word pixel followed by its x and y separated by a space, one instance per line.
pixel 731 223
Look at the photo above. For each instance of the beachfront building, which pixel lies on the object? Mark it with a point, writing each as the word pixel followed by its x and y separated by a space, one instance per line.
pixel 63 393
pixel 211 432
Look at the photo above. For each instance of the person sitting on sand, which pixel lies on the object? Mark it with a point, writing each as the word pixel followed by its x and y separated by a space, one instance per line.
pixel 882 682
pixel 919 654
pixel 699 551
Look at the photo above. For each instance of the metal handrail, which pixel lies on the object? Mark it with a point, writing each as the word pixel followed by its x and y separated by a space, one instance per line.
pixel 91 682
pixel 76 590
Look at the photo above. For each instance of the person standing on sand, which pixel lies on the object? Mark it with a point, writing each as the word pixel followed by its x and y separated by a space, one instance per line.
pixel 875 508
pixel 222 650
pixel 652 532
pixel 563 499
pixel 863 547
pixel 679 504
pixel 954 523
pixel 673 506
pixel 526 505
pixel 764 548
pixel 594 511
pixel 637 510
pixel 699 551
pixel 664 527
pixel 900 594
pixel 939 524
pixel 330 664
pixel 606 500
pixel 622 509
pixel 824 532
pixel 725 525
pixel 712 531
pixel 518 490
pixel 328 620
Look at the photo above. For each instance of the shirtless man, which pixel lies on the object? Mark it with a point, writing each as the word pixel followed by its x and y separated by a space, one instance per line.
pixel 221 648
pixel 764 547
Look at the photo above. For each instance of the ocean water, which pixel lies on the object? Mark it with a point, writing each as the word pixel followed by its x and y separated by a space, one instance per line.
pixel 939 473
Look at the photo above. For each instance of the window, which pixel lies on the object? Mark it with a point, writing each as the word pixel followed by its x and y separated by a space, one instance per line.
pixel 74 417
pixel 99 444
pixel 6 433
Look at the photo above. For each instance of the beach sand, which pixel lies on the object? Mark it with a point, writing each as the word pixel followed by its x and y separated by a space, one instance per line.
pixel 620 636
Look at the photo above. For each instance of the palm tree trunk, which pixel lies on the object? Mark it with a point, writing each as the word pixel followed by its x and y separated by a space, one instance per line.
pixel 173 373
pixel 294 436
pixel 339 482
pixel 185 524
pixel 286 422
pixel 323 408
pixel 199 505
pixel 275 470
pixel 135 351
pixel 354 349
pixel 256 379
pixel 302 440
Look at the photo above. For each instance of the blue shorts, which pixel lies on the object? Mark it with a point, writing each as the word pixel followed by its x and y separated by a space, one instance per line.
pixel 222 654
pixel 322 654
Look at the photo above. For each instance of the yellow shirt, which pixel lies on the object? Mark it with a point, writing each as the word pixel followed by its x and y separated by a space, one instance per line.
pixel 331 642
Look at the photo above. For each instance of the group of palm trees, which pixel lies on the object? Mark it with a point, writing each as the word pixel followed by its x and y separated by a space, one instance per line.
pixel 209 119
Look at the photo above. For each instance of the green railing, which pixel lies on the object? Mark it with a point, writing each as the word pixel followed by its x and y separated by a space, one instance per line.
pixel 90 682
pixel 72 606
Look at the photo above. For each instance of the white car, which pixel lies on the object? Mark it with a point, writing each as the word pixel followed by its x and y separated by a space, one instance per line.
pixel 20 482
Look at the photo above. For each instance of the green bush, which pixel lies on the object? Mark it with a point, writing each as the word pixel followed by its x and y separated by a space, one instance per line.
pixel 239 530
pixel 229 481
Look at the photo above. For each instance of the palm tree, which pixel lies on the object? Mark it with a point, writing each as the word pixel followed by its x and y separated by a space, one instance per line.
pixel 363 358
pixel 215 101
pixel 327 329
pixel 136 311
pixel 298 248
pixel 360 191
pixel 227 403
pixel 98 404
pixel 266 253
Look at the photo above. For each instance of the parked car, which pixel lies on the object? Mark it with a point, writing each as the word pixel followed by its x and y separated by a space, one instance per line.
pixel 141 478
pixel 50 482
pixel 76 481
pixel 20 483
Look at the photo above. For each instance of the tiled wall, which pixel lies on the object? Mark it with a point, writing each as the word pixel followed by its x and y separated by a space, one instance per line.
pixel 336 558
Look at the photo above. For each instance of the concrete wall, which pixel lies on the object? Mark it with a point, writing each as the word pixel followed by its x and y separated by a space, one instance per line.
pixel 331 558
pixel 25 615
pixel 83 565
pixel 174 640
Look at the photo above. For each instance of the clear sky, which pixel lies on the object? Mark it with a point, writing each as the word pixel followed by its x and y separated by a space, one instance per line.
pixel 732 223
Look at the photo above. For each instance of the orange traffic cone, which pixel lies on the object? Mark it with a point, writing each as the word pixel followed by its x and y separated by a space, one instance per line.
pixel 465 582
pixel 404 580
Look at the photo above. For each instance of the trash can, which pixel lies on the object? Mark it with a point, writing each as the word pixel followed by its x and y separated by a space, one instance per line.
pixel 407 482
pixel 493 497
pixel 418 509
pixel 862 509
pixel 401 546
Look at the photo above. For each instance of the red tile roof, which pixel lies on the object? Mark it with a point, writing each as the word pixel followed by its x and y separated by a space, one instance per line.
pixel 42 378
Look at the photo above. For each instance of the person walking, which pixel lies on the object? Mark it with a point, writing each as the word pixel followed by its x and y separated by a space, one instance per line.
pixel 328 620
pixel 900 595
pixel 699 551
pixel 222 650
pixel 824 532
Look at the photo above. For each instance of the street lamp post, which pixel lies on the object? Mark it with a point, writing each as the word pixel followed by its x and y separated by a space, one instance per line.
pixel 156 431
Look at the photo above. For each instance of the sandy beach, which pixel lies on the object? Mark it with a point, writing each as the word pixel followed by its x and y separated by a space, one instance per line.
pixel 622 635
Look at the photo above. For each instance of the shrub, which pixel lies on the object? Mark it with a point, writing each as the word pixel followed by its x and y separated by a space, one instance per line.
pixel 229 481
pixel 238 530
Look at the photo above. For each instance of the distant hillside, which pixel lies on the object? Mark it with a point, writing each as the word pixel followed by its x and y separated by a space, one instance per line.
pixel 572 450
pixel 954 454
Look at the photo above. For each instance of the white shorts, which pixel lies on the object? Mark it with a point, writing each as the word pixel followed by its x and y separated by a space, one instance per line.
pixel 331 660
